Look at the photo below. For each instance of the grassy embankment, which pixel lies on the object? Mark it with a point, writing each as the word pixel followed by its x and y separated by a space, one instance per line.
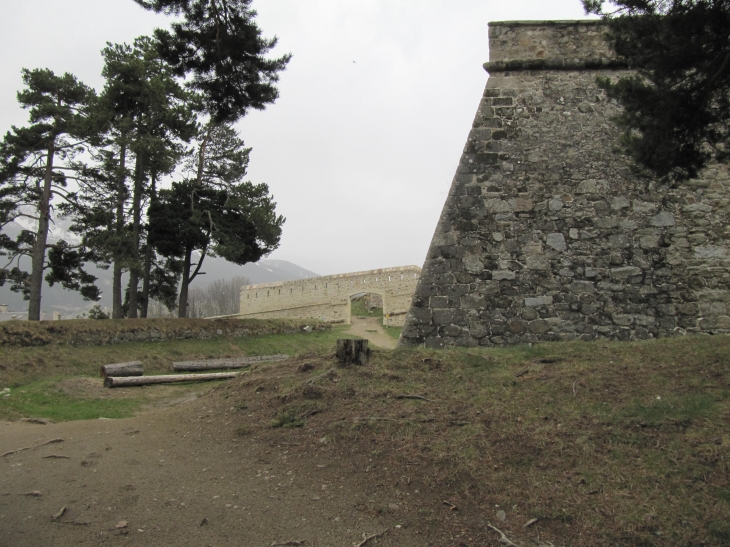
pixel 61 382
pixel 603 443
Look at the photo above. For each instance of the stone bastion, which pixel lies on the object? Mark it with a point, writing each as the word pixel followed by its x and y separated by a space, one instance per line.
pixel 547 233
pixel 327 298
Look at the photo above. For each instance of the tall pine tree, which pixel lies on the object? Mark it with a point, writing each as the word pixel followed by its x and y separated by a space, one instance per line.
pixel 34 173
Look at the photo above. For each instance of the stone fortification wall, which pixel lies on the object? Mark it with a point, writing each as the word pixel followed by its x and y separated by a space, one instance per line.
pixel 327 298
pixel 546 233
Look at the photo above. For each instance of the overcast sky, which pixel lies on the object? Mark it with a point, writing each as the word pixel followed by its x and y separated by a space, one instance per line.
pixel 374 109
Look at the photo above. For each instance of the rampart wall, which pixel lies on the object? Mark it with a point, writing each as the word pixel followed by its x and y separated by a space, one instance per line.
pixel 327 298
pixel 547 233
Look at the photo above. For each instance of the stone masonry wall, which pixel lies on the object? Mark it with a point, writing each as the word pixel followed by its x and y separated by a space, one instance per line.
pixel 327 298
pixel 547 234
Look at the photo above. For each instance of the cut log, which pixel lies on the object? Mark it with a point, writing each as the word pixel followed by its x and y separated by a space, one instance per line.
pixel 112 381
pixel 350 351
pixel 132 368
pixel 231 363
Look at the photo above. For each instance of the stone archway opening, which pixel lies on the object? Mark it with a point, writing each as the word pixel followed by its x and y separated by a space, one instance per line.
pixel 366 304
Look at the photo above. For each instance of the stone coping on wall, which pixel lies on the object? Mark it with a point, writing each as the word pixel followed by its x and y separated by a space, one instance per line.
pixel 386 271
pixel 552 23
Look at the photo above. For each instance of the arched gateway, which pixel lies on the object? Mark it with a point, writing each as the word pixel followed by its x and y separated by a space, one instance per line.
pixel 327 298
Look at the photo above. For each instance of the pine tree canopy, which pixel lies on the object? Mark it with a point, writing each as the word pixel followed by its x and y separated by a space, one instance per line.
pixel 676 108
pixel 220 45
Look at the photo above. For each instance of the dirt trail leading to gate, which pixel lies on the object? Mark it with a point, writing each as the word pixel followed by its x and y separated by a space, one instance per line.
pixel 371 329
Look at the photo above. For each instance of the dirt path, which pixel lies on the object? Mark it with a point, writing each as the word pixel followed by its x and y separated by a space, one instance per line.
pixel 182 476
pixel 371 328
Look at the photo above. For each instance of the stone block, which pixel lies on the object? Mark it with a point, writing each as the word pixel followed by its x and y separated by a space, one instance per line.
pixel 521 205
pixel 537 262
pixel 625 272
pixel 538 326
pixel 707 252
pixel 556 241
pixel 592 187
pixel 538 301
pixel 663 219
pixel 620 203
pixel 644 207
pixel 516 326
pixel 436 302
pixel 443 317
pixel 582 287
pixel 503 274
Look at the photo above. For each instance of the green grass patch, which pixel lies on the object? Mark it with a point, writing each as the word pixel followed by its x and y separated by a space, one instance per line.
pixel 43 399
pixel 393 332
pixel 359 308
pixel 33 373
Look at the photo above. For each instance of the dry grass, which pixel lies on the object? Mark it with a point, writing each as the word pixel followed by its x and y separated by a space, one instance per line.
pixel 603 443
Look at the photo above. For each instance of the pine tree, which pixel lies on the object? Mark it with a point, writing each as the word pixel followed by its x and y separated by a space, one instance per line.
pixel 220 46
pixel 214 212
pixel 34 173
pixel 147 116
pixel 676 107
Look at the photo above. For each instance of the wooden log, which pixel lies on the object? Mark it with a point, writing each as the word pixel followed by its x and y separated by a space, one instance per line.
pixel 350 351
pixel 224 364
pixel 132 368
pixel 111 381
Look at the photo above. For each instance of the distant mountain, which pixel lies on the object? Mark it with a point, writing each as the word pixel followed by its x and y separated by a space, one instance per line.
pixel 268 271
pixel 70 304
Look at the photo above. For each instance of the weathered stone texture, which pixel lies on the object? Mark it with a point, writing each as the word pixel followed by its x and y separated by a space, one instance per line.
pixel 327 298
pixel 547 234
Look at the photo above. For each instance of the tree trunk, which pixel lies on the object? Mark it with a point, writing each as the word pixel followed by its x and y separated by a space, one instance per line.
pixel 114 381
pixel 351 351
pixel 221 364
pixel 39 247
pixel 136 221
pixel 117 303
pixel 182 308
pixel 148 253
pixel 132 368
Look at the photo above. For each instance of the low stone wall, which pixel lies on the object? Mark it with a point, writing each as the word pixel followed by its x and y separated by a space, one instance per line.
pixel 327 298
pixel 87 332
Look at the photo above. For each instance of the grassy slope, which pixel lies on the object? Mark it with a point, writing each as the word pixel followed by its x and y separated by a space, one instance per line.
pixel 604 443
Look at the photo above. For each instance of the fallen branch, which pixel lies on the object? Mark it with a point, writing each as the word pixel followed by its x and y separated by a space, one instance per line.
pixel 131 368
pixel 59 456
pixel 59 514
pixel 452 507
pixel 76 522
pixel 312 380
pixel 290 542
pixel 530 523
pixel 365 538
pixel 504 540
pixel 419 397
pixel 232 363
pixel 31 447
pixel 522 373
pixel 381 419
pixel 34 493
pixel 114 381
